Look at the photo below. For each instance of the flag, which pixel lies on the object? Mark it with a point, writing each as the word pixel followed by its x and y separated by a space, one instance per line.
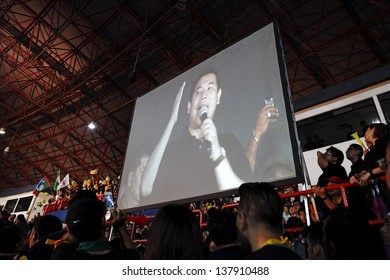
pixel 42 186
pixel 57 182
pixel 64 182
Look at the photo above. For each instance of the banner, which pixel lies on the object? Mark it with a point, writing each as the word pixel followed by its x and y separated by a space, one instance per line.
pixel 57 182
pixel 64 183
pixel 42 186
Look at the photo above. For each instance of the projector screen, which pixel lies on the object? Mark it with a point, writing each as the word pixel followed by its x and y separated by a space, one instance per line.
pixel 226 121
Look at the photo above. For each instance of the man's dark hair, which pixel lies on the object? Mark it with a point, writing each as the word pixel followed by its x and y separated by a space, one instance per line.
pixel 10 236
pixel 222 227
pixel 316 233
pixel 359 148
pixel 337 153
pixel 381 130
pixel 5 214
pixel 262 203
pixel 174 235
pixel 343 230
pixel 206 71
pixel 46 225
pixel 21 218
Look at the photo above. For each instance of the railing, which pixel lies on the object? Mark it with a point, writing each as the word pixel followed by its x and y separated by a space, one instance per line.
pixel 342 187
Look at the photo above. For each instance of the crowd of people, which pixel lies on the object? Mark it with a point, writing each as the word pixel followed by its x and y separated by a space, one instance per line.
pixel 261 225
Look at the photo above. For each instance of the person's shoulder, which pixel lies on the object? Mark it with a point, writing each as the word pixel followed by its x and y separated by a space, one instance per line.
pixel 229 253
pixel 65 251
pixel 115 254
pixel 336 166
pixel 381 145
pixel 273 252
pixel 337 170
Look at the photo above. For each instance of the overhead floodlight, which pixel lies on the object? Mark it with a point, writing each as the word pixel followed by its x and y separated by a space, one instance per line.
pixel 2 130
pixel 6 150
pixel 181 5
pixel 91 126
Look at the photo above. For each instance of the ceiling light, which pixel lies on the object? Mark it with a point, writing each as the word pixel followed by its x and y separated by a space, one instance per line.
pixel 2 130
pixel 6 150
pixel 181 5
pixel 92 125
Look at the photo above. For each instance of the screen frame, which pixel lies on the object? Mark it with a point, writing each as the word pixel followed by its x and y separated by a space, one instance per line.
pixel 292 128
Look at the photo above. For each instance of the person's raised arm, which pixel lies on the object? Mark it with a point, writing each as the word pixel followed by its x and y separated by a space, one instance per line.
pixel 323 194
pixel 321 160
pixel 151 169
pixel 260 129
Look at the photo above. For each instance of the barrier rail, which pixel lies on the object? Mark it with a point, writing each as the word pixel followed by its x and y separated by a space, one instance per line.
pixel 342 187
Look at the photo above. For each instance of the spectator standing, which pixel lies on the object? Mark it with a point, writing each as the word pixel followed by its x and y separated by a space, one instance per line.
pixel 174 235
pixel 4 215
pixel 348 236
pixel 86 224
pixel 223 237
pixel 11 241
pixel 354 154
pixel 38 247
pixel 330 163
pixel 376 137
pixel 21 222
pixel 259 223
pixel 315 244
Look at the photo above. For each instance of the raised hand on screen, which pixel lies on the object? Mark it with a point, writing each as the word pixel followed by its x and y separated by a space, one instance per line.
pixel 263 119
pixel 176 104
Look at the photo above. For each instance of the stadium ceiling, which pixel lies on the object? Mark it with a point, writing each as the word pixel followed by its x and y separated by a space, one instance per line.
pixel 65 63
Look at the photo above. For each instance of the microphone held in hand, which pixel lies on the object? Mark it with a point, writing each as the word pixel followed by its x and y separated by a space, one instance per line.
pixel 203 113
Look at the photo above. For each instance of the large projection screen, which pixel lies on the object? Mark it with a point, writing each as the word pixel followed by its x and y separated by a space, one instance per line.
pixel 170 158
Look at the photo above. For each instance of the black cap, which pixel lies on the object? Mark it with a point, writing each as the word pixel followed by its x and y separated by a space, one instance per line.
pixel 85 217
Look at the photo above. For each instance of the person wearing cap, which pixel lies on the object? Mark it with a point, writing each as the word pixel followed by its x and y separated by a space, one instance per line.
pixel 86 227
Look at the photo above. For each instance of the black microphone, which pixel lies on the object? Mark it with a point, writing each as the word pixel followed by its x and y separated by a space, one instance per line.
pixel 203 115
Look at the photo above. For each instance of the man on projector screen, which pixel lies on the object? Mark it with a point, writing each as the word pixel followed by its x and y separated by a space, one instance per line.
pixel 199 159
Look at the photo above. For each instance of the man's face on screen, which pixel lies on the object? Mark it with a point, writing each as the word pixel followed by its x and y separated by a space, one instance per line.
pixel 206 94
